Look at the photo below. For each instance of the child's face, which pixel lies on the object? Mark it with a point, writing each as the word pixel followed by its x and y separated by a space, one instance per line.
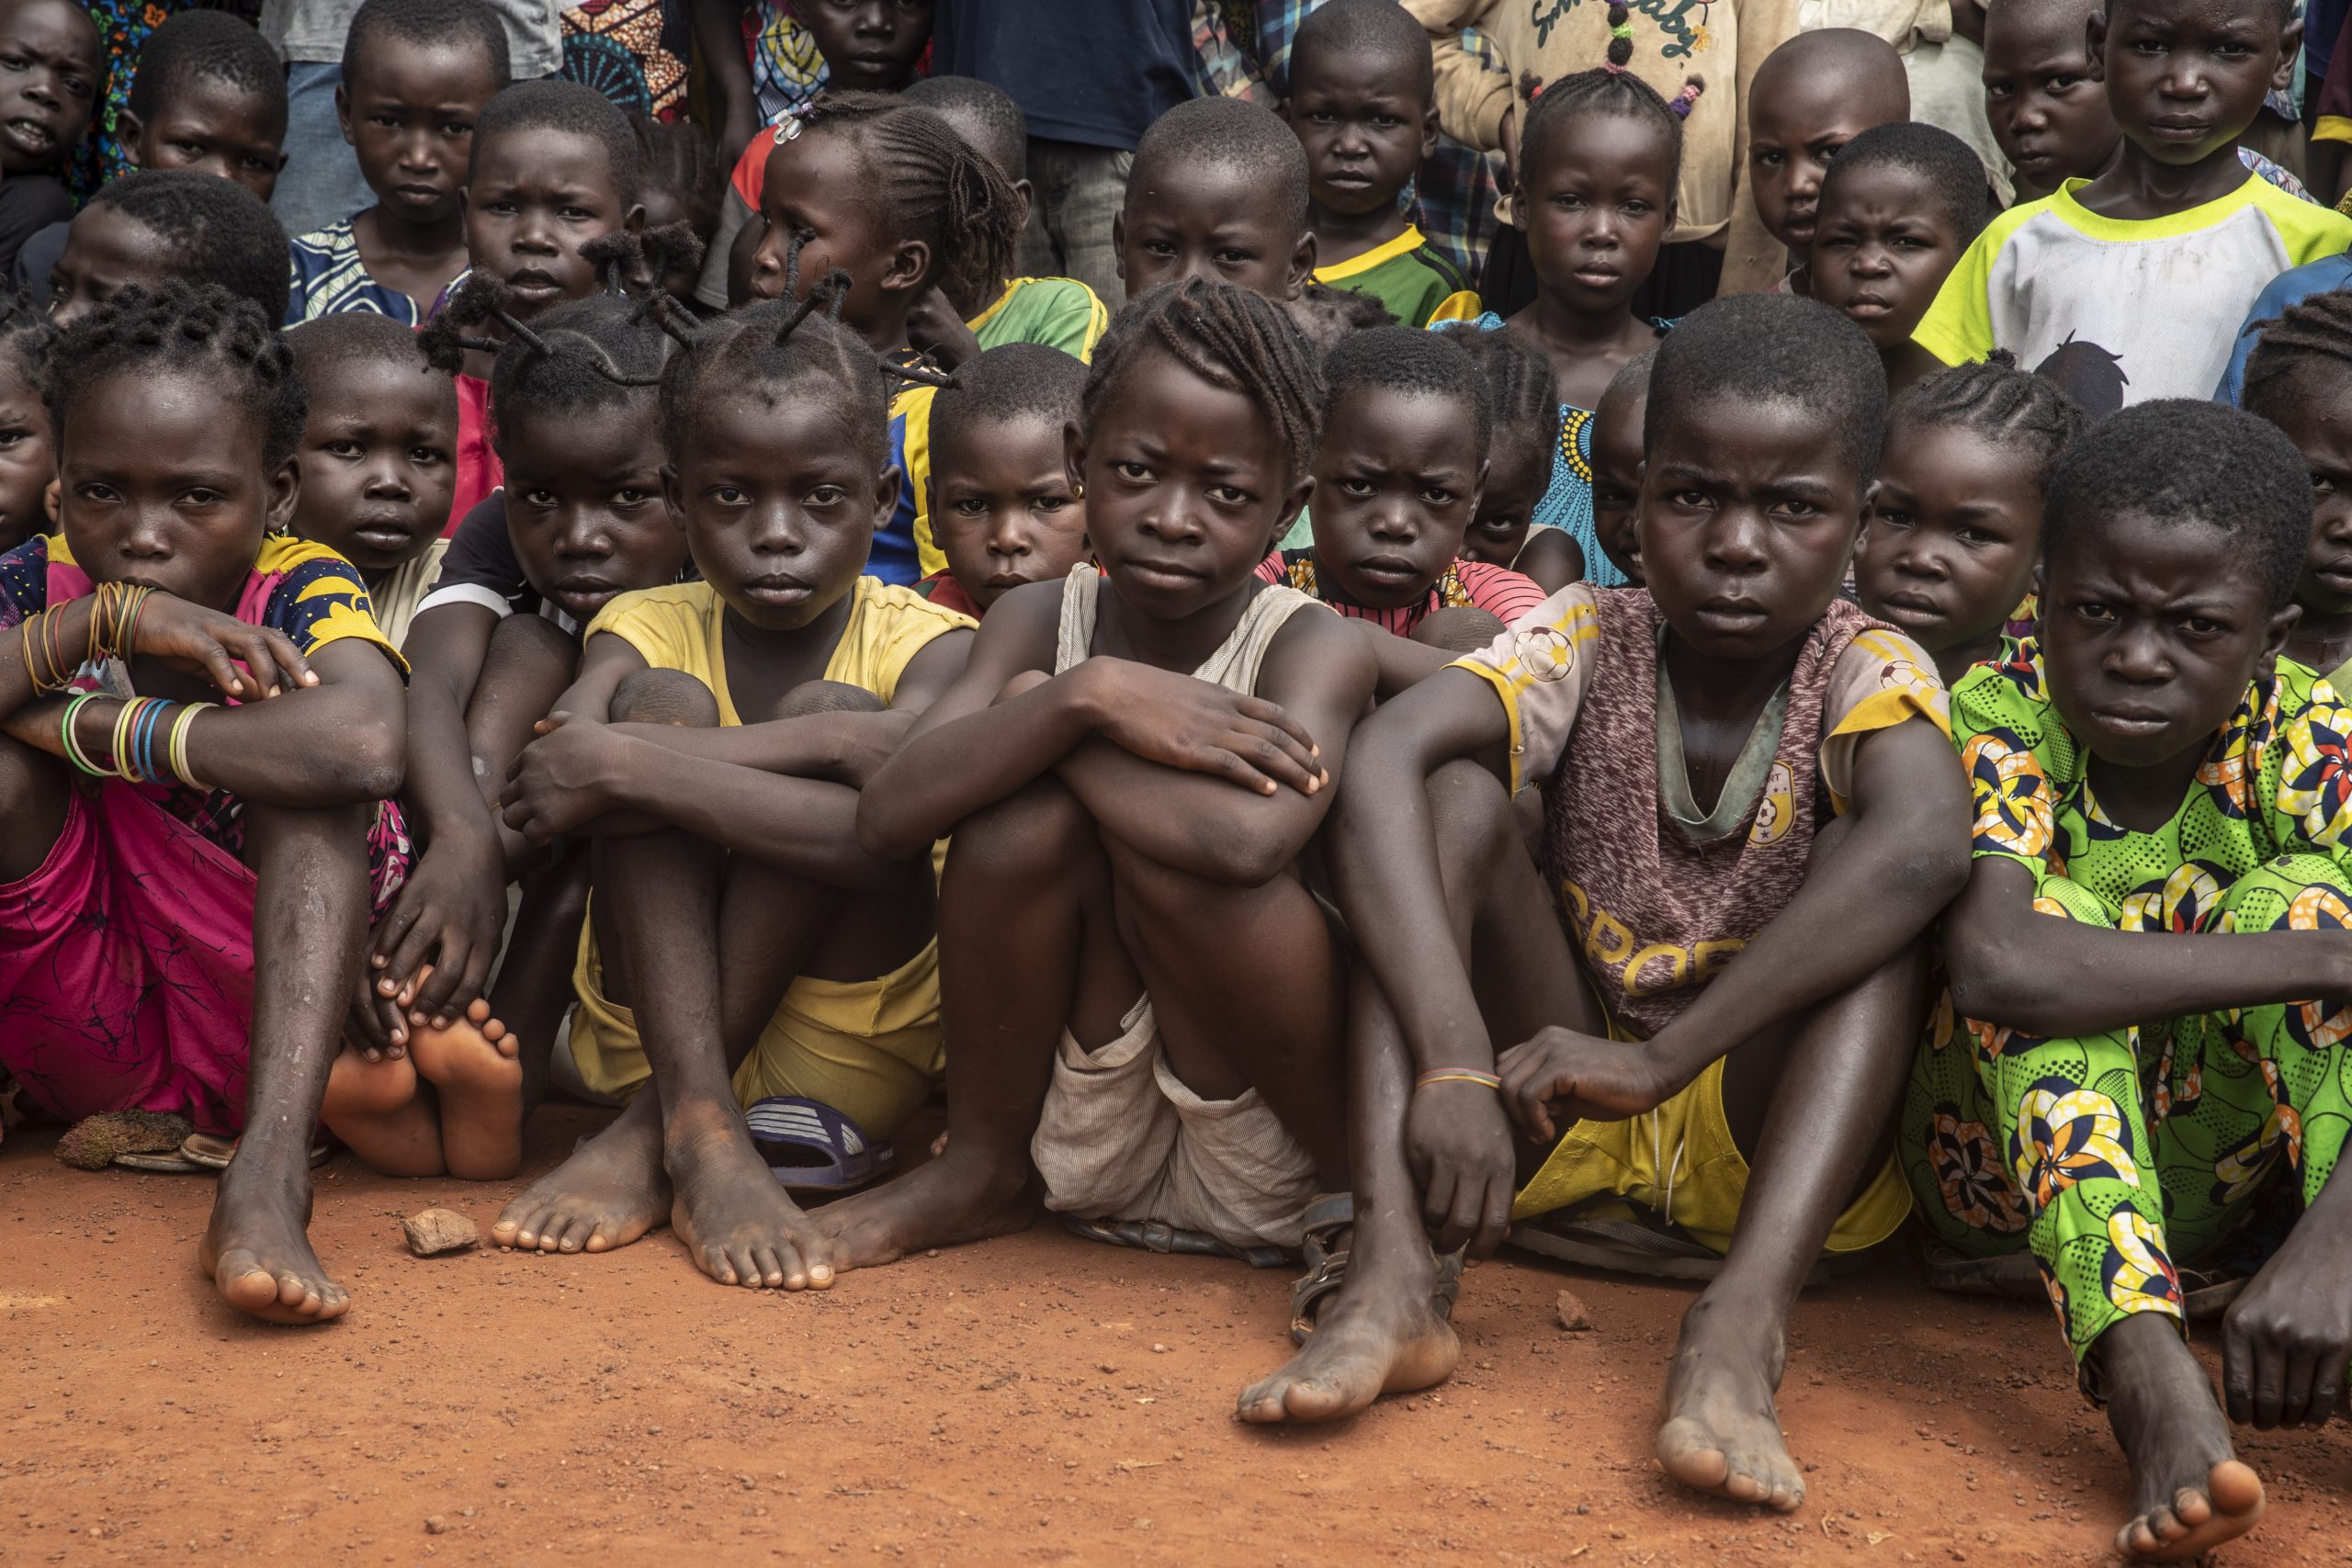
pixel 107 250
pixel 1953 533
pixel 409 112
pixel 870 45
pixel 2151 632
pixel 156 487
pixel 781 504
pixel 27 458
pixel 2323 433
pixel 1749 513
pixel 1792 134
pixel 585 505
pixel 1396 485
pixel 49 80
pixel 1596 209
pixel 379 461
pixel 2048 111
pixel 1517 476
pixel 1002 507
pixel 1365 132
pixel 1187 486
pixel 2186 77
pixel 817 184
pixel 1208 220
pixel 534 198
pixel 1617 481
pixel 209 126
pixel 1880 251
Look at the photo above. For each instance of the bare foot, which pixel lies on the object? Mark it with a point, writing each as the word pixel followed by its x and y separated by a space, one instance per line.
pixel 1721 1433
pixel 940 1204
pixel 373 1107
pixel 2188 1494
pixel 1378 1336
pixel 474 1064
pixel 611 1192
pixel 257 1249
pixel 739 1224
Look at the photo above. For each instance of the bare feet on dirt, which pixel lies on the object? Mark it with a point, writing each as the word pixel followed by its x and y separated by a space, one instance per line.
pixel 1722 1432
pixel 611 1192
pixel 739 1224
pixel 474 1064
pixel 937 1205
pixel 2189 1493
pixel 258 1252
pixel 374 1109
pixel 1377 1335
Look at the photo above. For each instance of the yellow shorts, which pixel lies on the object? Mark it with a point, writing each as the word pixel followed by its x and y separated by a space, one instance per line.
pixel 871 1049
pixel 1680 1161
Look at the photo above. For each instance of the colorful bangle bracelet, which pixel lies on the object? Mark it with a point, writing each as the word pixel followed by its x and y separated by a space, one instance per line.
pixel 143 740
pixel 69 744
pixel 1458 1075
pixel 176 750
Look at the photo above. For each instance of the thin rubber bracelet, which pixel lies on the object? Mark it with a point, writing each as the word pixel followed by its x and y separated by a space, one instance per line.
pixel 41 688
pixel 127 715
pixel 71 747
pixel 1458 1075
pixel 178 748
pixel 126 626
pixel 143 740
pixel 59 675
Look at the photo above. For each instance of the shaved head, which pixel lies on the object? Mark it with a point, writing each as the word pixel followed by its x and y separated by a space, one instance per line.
pixel 1859 69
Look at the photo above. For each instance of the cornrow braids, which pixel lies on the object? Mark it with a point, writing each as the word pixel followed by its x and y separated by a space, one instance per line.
pixel 1523 393
pixel 1610 88
pixel 2027 415
pixel 2304 353
pixel 28 337
pixel 1229 337
pixel 930 185
pixel 773 349
pixel 179 326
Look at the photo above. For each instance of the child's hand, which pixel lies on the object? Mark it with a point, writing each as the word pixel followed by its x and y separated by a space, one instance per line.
pixel 936 327
pixel 190 636
pixel 1561 1076
pixel 2286 1341
pixel 1458 1145
pixel 567 777
pixel 1180 722
pixel 450 913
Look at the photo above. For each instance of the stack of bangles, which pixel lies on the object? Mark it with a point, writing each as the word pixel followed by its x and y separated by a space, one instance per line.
pixel 114 628
pixel 1458 1075
pixel 136 727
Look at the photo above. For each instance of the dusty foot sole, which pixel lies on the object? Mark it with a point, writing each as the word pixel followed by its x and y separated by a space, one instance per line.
pixel 473 1064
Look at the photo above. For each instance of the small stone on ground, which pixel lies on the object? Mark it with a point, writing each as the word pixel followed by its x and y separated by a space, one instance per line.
pixel 436 1231
pixel 1573 1315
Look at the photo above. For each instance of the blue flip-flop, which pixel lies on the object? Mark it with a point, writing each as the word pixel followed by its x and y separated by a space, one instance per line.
pixel 812 1147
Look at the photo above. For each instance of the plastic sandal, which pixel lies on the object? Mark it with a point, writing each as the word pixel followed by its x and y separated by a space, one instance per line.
pixel 1632 1241
pixel 1152 1235
pixel 812 1147
pixel 208 1151
pixel 1329 1217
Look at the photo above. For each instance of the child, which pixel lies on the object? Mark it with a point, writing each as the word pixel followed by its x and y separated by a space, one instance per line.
pixel 1596 169
pixel 1617 422
pixel 1708 1069
pixel 1002 505
pixel 1898 206
pixel 743 951
pixel 27 454
pixel 1220 191
pixel 1144 996
pixel 1406 427
pixel 1812 95
pixel 157 226
pixel 46 108
pixel 2132 1048
pixel 379 456
pixel 1362 104
pixel 417 75
pixel 2295 380
pixel 892 196
pixel 1953 533
pixel 2132 285
pixel 185 887
pixel 681 186
pixel 1527 423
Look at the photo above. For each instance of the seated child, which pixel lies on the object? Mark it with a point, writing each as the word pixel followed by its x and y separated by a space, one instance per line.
pixel 1812 95
pixel 378 457
pixel 1002 505
pixel 1406 426
pixel 2131 286
pixel 2142 1051
pixel 46 107
pixel 1599 157
pixel 189 860
pixel 1617 422
pixel 1363 104
pixel 1898 206
pixel 743 951
pixel 28 455
pixel 2296 379
pixel 1145 998
pixel 1532 435
pixel 1953 533
pixel 1707 1049
pixel 417 75
pixel 1220 191
pixel 160 225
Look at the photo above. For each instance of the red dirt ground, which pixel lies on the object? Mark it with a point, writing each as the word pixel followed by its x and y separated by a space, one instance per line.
pixel 1037 1399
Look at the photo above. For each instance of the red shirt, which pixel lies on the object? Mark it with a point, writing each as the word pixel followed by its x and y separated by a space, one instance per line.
pixel 478 469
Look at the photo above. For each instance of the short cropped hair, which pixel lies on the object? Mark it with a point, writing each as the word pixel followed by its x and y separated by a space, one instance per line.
pixel 576 110
pixel 1226 133
pixel 1948 172
pixel 1013 380
pixel 970 105
pixel 350 336
pixel 430 23
pixel 208 46
pixel 217 230
pixel 1380 28
pixel 1754 349
pixel 1414 363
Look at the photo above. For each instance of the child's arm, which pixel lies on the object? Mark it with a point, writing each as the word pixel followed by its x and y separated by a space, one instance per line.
pixel 719 39
pixel 1399 662
pixel 1551 557
pixel 1471 101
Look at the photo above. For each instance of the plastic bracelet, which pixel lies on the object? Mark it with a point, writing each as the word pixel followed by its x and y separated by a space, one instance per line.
pixel 124 717
pixel 101 601
pixel 59 675
pixel 176 749
pixel 69 745
pixel 1458 1075
pixel 41 688
pixel 142 739
pixel 130 639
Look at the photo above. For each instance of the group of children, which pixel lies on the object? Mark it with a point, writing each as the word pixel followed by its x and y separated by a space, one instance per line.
pixel 489 668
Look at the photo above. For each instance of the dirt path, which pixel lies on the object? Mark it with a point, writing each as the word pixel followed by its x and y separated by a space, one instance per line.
pixel 1037 1399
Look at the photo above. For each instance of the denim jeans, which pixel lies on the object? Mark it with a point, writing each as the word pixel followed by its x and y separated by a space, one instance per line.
pixel 1080 192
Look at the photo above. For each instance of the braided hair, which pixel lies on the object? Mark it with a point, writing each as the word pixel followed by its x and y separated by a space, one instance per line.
pixel 181 326
pixel 2028 415
pixel 27 338
pixel 777 348
pixel 1523 393
pixel 2304 355
pixel 1229 337
pixel 1610 88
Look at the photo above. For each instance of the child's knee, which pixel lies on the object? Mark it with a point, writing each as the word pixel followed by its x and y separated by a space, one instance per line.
pixel 665 697
pixel 531 642
pixel 827 696
pixel 1039 830
pixel 1458 629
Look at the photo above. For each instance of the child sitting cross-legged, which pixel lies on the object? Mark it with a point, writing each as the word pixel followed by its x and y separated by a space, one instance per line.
pixel 1701 1039
pixel 2296 379
pixel 1530 439
pixel 743 953
pixel 203 724
pixel 1002 507
pixel 1144 996
pixel 2148 964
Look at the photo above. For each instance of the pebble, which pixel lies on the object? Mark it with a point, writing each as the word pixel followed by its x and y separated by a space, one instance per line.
pixel 435 1525
pixel 436 1231
pixel 1572 1313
